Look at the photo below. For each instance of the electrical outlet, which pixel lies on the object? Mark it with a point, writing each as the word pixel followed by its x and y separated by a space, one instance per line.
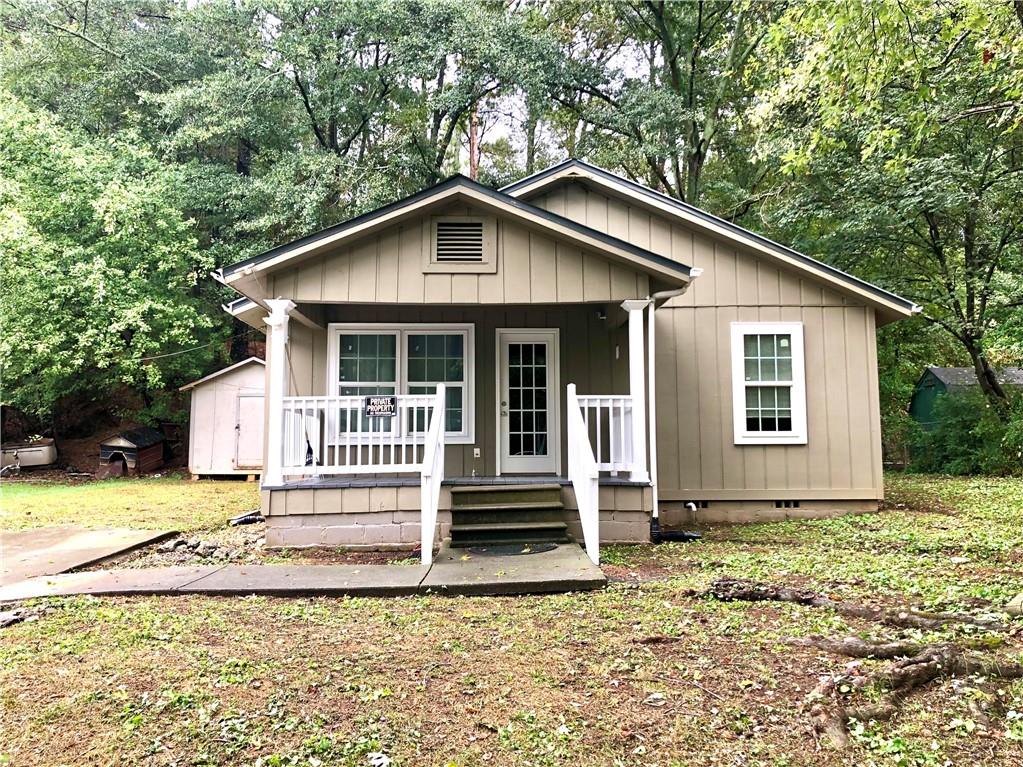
pixel 475 452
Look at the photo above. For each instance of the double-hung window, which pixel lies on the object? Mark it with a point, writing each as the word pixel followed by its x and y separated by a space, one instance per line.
pixel 768 383
pixel 367 359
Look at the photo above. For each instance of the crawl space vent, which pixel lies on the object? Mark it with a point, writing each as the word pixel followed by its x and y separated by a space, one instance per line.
pixel 460 241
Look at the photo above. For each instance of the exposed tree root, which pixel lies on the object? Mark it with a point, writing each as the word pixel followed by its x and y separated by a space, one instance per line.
pixel 828 710
pixel 740 590
pixel 914 665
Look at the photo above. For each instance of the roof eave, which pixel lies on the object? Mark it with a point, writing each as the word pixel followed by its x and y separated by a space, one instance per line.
pixel 437 195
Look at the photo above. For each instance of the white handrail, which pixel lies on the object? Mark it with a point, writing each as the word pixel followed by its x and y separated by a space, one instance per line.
pixel 584 473
pixel 432 475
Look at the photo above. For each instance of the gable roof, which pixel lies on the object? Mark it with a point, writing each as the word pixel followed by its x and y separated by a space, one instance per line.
pixel 890 306
pixel 139 437
pixel 954 377
pixel 461 187
pixel 230 368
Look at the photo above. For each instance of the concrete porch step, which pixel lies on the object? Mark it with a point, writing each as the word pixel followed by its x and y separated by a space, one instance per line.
pixel 513 506
pixel 494 495
pixel 495 533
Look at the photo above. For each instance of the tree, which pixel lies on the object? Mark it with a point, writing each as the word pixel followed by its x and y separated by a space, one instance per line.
pixel 101 269
pixel 898 126
pixel 659 89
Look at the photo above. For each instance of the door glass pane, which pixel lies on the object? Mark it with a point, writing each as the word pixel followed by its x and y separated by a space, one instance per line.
pixel 527 398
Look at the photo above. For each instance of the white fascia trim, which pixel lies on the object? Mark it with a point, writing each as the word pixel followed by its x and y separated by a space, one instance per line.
pixel 798 434
pixel 211 376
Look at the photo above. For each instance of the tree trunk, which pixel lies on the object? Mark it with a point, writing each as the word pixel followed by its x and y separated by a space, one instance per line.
pixel 985 374
pixel 474 145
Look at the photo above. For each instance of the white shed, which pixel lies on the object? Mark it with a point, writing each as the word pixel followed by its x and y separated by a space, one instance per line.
pixel 225 433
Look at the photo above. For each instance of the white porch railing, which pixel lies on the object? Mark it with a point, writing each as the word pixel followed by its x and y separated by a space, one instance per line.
pixel 608 425
pixel 332 435
pixel 583 473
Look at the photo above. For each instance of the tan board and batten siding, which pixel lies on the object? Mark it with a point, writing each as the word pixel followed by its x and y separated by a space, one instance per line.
pixel 697 459
pixel 387 268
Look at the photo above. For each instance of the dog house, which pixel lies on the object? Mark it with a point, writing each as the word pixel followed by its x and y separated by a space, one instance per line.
pixel 139 450
pixel 225 434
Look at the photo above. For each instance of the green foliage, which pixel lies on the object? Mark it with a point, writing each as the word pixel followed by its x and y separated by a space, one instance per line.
pixel 970 436
pixel 100 266
pixel 899 131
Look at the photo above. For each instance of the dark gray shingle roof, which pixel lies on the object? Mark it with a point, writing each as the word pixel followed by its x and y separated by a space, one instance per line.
pixel 967 376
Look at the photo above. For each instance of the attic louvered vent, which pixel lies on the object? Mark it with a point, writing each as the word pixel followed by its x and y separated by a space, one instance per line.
pixel 459 241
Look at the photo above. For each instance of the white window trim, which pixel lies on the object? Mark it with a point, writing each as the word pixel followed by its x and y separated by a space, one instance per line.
pixel 402 331
pixel 798 434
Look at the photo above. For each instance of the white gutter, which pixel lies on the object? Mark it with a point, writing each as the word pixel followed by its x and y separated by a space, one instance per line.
pixel 663 295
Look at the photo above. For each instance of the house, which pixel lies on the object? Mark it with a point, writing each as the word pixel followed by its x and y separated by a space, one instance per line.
pixel 937 381
pixel 574 351
pixel 226 419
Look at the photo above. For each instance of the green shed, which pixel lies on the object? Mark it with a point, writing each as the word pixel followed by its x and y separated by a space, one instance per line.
pixel 938 381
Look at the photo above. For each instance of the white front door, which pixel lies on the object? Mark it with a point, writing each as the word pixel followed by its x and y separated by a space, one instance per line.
pixel 527 372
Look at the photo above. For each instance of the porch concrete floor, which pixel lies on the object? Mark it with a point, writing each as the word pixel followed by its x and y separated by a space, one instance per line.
pixel 455 571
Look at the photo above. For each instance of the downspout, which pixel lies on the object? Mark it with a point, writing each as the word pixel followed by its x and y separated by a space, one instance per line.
pixel 656 535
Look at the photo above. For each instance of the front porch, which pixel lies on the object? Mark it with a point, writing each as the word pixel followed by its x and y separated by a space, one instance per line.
pixel 474 399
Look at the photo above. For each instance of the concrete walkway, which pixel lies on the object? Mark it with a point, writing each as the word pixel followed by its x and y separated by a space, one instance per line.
pixel 455 571
pixel 52 550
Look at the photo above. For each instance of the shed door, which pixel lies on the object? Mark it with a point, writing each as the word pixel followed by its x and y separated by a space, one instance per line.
pixel 249 428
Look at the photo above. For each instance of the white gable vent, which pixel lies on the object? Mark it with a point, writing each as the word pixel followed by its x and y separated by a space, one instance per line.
pixel 459 241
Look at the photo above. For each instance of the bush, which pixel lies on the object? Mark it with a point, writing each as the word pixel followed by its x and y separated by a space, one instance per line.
pixel 971 436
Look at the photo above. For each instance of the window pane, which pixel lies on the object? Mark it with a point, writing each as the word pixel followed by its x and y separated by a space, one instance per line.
pixel 752 396
pixel 416 346
pixel 435 369
pixel 785 346
pixel 435 345
pixel 368 369
pixel 750 346
pixel 767 346
pixel 349 370
pixel 784 421
pixel 454 345
pixel 417 369
pixel 767 370
pixel 784 396
pixel 454 369
pixel 768 396
pixel 785 369
pixel 367 346
pixel 752 370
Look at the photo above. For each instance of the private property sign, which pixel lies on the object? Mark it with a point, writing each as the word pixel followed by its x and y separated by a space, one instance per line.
pixel 381 406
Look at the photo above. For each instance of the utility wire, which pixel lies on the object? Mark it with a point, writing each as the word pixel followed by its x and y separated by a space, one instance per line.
pixel 196 348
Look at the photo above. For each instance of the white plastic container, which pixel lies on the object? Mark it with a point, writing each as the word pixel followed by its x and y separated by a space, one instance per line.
pixel 42 452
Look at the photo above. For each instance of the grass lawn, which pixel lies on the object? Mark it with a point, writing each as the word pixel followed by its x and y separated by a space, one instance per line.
pixel 643 673
pixel 165 503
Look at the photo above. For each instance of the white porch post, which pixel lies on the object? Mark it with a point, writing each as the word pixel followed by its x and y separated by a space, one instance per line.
pixel 277 387
pixel 637 388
